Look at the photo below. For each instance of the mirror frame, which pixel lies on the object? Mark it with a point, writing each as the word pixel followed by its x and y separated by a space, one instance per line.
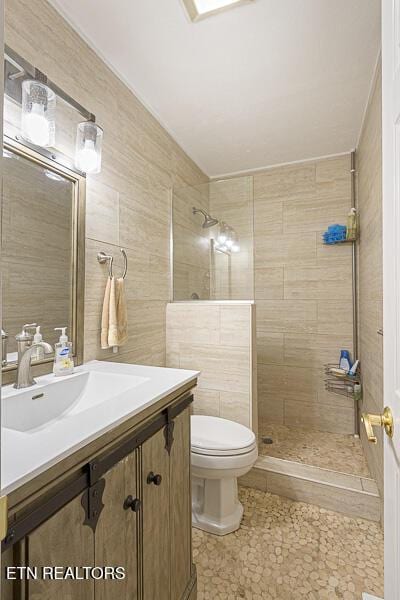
pixel 78 255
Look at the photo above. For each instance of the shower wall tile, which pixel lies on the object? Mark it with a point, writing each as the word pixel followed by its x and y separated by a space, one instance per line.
pixel 303 291
pixel 189 280
pixel 128 203
pixel 369 201
pixel 312 350
pixel 313 213
pixel 222 368
pixel 279 250
pixel 191 268
pixel 234 327
pixel 281 316
pixel 270 347
pixel 269 283
pixel 320 282
pixel 335 317
pixel 231 201
pixel 268 216
pixel 201 323
pixel 219 341
pixel 313 416
pixel 282 182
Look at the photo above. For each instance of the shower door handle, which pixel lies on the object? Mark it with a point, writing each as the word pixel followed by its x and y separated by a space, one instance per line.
pixel 385 420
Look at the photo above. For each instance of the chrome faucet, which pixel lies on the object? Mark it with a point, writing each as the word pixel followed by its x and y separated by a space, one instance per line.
pixel 24 339
pixel 25 351
pixel 24 372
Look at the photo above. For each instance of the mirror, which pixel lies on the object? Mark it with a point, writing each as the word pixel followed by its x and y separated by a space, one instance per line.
pixel 42 251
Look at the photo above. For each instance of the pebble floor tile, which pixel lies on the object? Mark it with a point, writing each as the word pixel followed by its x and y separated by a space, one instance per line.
pixel 334 451
pixel 289 550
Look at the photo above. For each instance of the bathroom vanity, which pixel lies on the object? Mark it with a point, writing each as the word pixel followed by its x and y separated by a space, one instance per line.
pixel 97 473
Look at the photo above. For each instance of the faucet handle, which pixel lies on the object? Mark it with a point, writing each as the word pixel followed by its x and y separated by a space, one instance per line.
pixel 25 336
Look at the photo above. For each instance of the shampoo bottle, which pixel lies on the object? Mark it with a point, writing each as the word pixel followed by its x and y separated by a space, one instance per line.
pixel 345 362
pixel 351 233
pixel 63 360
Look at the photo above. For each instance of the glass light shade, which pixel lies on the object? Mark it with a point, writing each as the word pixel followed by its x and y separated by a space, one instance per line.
pixel 38 113
pixel 222 234
pixel 89 139
pixel 235 247
pixel 231 237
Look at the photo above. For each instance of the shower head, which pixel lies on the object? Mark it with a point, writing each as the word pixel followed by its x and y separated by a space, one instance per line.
pixel 209 221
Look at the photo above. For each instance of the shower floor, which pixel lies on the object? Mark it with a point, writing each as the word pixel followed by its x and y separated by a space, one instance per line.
pixel 332 451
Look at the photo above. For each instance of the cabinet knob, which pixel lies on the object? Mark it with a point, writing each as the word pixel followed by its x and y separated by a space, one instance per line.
pixel 133 503
pixel 152 478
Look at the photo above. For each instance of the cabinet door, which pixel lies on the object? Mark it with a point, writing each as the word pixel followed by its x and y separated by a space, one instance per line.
pixel 116 542
pixel 155 514
pixel 180 507
pixel 61 541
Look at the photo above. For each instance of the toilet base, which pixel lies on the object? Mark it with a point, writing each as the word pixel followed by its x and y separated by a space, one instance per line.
pixel 215 505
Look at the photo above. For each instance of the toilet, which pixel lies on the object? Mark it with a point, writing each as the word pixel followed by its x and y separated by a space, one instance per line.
pixel 221 451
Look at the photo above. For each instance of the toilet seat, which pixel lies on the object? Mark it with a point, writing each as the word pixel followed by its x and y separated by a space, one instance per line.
pixel 213 436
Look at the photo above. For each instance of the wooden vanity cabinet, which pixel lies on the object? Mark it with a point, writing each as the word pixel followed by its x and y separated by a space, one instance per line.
pixel 167 540
pixel 143 524
pixel 117 530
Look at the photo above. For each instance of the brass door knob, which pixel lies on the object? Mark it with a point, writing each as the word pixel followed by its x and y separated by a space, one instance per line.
pixel 385 420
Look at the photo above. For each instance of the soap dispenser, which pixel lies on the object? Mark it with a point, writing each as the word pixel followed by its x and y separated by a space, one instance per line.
pixel 38 352
pixel 63 360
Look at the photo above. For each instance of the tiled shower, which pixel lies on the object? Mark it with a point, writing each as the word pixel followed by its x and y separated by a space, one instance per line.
pixel 302 294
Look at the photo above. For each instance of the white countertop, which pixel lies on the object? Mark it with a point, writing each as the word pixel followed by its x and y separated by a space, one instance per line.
pixel 26 454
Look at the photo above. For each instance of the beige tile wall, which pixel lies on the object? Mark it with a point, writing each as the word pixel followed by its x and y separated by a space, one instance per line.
pixel 191 256
pixel 303 292
pixel 231 201
pixel 218 340
pixel 369 200
pixel 128 203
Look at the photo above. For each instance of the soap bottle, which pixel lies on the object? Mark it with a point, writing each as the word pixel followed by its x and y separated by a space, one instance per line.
pixel 38 352
pixel 63 360
pixel 345 362
pixel 351 233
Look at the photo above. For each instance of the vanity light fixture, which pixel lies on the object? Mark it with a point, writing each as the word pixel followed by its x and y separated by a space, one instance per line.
pixel 28 87
pixel 89 138
pixel 38 113
pixel 227 240
pixel 198 9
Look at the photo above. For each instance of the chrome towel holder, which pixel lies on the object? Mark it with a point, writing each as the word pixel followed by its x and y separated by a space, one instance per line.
pixel 102 257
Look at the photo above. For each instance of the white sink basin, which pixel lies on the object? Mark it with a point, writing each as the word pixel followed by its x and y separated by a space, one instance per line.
pixel 49 421
pixel 39 405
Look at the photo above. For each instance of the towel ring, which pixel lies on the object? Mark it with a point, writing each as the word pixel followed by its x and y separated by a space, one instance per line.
pixel 102 257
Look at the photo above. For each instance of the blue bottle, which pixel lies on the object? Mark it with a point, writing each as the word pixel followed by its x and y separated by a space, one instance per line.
pixel 345 361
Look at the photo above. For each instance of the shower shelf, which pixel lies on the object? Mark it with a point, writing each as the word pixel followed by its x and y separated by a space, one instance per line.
pixel 340 384
pixel 349 241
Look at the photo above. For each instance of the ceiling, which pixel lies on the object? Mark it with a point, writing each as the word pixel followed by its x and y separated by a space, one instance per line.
pixel 269 82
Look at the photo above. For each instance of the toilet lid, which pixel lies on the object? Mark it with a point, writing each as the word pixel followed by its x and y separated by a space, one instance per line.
pixel 215 436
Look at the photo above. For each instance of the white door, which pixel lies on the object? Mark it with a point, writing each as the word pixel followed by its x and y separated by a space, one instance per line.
pixel 391 285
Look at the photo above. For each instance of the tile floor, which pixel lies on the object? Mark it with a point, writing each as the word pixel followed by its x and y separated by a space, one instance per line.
pixel 334 451
pixel 289 550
